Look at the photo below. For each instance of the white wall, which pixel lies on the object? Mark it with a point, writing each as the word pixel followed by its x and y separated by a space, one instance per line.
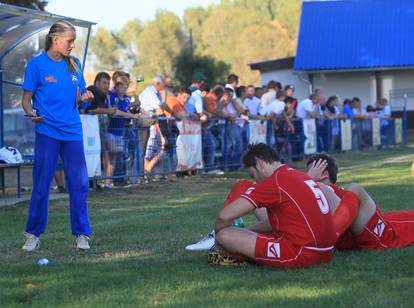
pixel 348 84
pixel 402 79
pixel 362 84
pixel 288 76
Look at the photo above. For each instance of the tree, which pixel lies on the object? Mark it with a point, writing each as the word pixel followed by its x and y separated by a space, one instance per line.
pixel 30 4
pixel 159 42
pixel 186 64
pixel 270 41
pixel 105 50
pixel 193 21
pixel 126 38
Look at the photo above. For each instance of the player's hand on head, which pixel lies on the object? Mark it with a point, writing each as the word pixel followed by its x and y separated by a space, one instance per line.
pixel 317 169
pixel 87 96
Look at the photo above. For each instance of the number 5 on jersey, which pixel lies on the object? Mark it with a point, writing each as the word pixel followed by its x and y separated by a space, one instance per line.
pixel 320 197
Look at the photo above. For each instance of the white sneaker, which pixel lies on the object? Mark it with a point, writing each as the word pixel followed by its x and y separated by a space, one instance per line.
pixel 205 244
pixel 31 243
pixel 82 242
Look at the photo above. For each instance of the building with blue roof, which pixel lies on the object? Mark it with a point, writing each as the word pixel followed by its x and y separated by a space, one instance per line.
pixel 352 48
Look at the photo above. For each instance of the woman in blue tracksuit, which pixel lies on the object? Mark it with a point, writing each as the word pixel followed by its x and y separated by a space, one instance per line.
pixel 52 89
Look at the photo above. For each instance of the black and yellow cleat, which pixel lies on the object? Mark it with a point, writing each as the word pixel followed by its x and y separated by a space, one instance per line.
pixel 216 258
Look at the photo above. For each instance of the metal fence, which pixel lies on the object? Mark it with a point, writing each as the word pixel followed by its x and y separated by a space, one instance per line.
pixel 164 145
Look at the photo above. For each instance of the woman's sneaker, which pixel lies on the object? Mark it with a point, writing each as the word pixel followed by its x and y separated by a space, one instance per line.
pixel 31 243
pixel 82 242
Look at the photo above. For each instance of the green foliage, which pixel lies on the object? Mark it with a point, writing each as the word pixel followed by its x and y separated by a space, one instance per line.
pixel 105 50
pixel 186 64
pixel 138 258
pixel 30 4
pixel 236 32
pixel 160 41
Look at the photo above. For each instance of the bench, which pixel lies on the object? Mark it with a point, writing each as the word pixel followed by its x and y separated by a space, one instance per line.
pixel 4 166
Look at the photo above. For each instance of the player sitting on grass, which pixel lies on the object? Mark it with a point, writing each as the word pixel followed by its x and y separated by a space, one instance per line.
pixel 299 230
pixel 361 226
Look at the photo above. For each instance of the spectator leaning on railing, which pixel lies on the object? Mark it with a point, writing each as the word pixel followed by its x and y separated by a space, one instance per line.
pixel 272 88
pixel 307 109
pixel 251 101
pixel 115 140
pixel 211 130
pixel 232 136
pixel 290 91
pixel 232 83
pixel 151 105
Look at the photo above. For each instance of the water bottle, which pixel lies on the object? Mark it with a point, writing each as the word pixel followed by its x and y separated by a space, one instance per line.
pixel 238 223
pixel 140 79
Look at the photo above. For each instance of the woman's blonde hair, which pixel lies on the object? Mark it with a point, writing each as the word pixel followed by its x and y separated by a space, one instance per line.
pixel 57 29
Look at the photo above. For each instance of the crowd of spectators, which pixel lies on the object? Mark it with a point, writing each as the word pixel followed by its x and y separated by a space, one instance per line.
pixel 220 108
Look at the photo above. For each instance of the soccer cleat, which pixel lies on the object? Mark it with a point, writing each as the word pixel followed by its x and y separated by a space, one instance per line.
pixel 204 244
pixel 31 243
pixel 216 258
pixel 82 242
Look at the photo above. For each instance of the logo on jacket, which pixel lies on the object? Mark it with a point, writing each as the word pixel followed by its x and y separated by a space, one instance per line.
pixel 50 79
pixel 273 250
pixel 74 79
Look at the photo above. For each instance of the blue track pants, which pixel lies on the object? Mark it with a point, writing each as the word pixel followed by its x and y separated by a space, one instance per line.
pixel 47 151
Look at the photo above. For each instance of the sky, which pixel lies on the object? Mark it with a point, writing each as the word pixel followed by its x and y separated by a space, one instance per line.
pixel 115 13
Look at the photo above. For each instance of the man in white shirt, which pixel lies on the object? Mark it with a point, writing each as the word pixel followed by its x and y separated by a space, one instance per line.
pixel 307 108
pixel 151 104
pixel 251 101
pixel 272 88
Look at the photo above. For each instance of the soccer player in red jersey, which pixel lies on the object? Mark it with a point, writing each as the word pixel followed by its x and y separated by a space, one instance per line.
pixel 363 225
pixel 299 230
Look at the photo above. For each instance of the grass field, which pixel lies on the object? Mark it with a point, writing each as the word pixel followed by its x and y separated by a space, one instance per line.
pixel 138 257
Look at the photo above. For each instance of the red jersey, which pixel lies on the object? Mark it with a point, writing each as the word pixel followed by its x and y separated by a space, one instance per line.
pixel 296 207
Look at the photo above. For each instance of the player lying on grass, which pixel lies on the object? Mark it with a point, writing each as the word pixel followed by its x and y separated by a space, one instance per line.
pixel 361 225
pixel 298 230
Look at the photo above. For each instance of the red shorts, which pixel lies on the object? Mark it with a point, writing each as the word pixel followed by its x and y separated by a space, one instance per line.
pixel 281 252
pixel 388 230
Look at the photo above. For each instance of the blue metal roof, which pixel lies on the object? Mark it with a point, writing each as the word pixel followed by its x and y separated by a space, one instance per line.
pixel 355 34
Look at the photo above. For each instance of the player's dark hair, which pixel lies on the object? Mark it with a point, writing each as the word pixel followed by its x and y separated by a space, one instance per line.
pixel 260 151
pixel 102 75
pixel 331 166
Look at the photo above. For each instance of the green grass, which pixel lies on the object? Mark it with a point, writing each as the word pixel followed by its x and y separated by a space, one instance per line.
pixel 138 257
